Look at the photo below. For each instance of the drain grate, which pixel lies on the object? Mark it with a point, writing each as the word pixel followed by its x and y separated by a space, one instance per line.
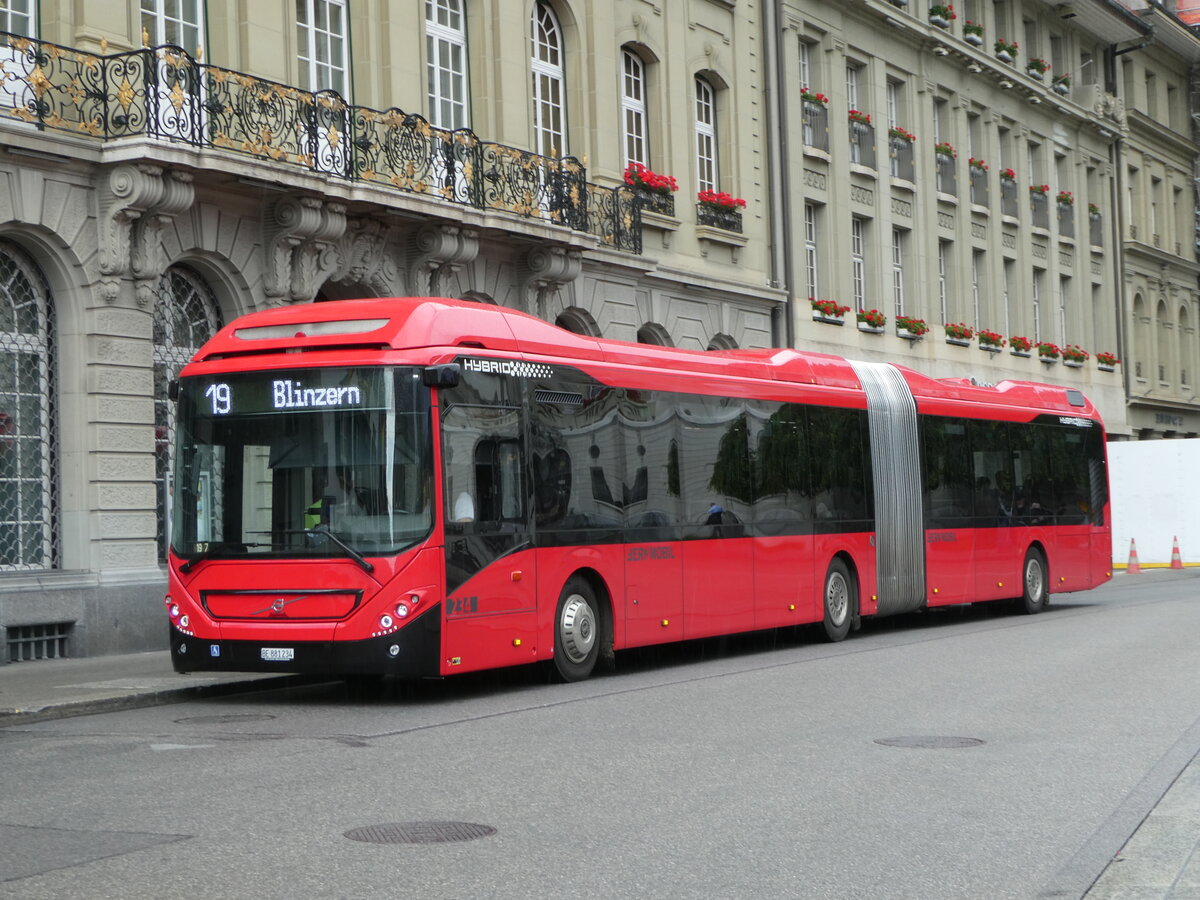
pixel 930 742
pixel 419 832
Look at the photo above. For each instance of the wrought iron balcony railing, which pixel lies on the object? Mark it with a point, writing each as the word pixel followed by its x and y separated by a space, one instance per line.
pixel 164 94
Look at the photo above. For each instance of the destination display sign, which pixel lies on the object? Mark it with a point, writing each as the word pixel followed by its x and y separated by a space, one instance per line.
pixel 293 391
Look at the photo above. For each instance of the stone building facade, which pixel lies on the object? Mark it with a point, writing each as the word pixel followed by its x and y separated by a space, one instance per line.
pixel 167 167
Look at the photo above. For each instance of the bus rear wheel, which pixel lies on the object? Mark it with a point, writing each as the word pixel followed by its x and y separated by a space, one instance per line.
pixel 839 599
pixel 576 631
pixel 1033 583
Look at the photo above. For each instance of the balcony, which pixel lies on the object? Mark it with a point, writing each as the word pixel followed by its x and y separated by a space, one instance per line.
pixel 1066 220
pixel 903 161
pixel 862 144
pixel 1009 205
pixel 979 186
pixel 1096 229
pixel 816 126
pixel 947 174
pixel 162 94
pixel 1039 205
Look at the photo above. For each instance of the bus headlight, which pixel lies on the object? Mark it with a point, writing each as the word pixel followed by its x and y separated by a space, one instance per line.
pixel 385 621
pixel 401 610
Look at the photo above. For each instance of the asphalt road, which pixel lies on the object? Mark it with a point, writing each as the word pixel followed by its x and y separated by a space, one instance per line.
pixel 960 754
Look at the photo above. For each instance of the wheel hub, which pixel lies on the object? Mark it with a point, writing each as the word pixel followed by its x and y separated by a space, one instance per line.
pixel 837 599
pixel 577 630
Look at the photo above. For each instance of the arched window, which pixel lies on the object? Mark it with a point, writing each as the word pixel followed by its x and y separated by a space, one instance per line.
pixel 722 342
pixel 446 63
pixel 1164 349
pixel 185 316
pixel 28 420
pixel 633 109
pixel 549 105
pixel 706 136
pixel 579 321
pixel 1143 357
pixel 653 333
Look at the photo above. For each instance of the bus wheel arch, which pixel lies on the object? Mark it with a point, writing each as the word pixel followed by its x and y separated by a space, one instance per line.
pixel 839 597
pixel 1035 580
pixel 583 626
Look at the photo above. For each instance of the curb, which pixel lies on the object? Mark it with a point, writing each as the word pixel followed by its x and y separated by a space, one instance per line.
pixel 11 717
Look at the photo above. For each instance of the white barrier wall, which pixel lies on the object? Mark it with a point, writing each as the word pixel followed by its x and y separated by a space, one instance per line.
pixel 1155 498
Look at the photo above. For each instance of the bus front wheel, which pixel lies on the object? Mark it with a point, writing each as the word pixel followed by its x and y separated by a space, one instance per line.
pixel 1033 582
pixel 576 631
pixel 839 597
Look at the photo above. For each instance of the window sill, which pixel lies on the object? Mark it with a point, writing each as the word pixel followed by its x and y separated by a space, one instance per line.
pixel 865 171
pixel 902 184
pixel 816 152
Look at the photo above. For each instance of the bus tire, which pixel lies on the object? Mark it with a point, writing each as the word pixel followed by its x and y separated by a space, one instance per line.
pixel 577 630
pixel 838 601
pixel 1033 582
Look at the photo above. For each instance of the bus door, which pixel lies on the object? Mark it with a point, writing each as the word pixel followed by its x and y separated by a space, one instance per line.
pixel 949 511
pixel 490 617
pixel 1000 467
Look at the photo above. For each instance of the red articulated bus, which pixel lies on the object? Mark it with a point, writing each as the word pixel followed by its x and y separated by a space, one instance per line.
pixel 424 486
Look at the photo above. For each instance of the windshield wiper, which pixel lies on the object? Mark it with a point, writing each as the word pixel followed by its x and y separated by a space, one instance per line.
pixel 311 532
pixel 214 549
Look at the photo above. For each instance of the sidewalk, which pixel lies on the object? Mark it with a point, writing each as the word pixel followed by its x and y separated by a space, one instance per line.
pixel 58 688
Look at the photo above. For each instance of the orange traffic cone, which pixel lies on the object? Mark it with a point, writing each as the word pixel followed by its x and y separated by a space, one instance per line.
pixel 1176 562
pixel 1133 568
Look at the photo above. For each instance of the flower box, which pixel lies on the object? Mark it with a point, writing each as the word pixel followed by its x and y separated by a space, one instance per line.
pixel 1103 368
pixel 870 329
pixel 958 342
pixel 959 334
pixel 942 14
pixel 911 328
pixel 829 311
pixel 1024 354
pixel 1073 363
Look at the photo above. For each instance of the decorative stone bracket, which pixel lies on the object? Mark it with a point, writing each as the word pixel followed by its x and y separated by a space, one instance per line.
pixel 435 251
pixel 135 201
pixel 544 271
pixel 299 241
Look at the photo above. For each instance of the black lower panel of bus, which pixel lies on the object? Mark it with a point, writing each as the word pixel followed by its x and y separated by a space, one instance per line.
pixel 419 644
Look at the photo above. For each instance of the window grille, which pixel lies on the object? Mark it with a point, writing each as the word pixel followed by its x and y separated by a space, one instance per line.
pixel 28 422
pixel 185 316
pixel 48 640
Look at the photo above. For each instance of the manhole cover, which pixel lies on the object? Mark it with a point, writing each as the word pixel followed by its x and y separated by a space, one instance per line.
pixel 419 832
pixel 224 720
pixel 930 742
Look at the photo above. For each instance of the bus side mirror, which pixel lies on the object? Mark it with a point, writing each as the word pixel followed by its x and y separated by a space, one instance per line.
pixel 444 376
pixel 173 389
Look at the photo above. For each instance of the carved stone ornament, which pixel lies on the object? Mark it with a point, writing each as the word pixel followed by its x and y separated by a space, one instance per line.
pixel 299 241
pixel 435 251
pixel 544 271
pixel 135 201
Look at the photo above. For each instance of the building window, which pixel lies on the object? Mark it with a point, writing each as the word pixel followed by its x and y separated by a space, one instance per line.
pixel 1008 284
pixel 633 108
pixel 1064 292
pixel 173 22
pixel 943 276
pixel 706 136
pixel 446 66
pixel 811 270
pixel 898 272
pixel 977 265
pixel 852 86
pixel 321 40
pixel 16 16
pixel 28 419
pixel 549 107
pixel 185 316
pixel 1036 297
pixel 858 261
pixel 805 65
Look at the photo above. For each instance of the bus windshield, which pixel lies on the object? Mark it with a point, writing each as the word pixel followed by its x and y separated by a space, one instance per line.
pixel 328 462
